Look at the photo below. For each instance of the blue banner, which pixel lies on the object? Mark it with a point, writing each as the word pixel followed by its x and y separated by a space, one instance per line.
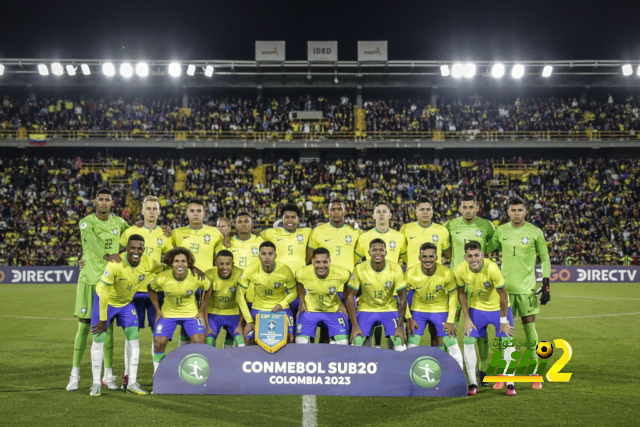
pixel 271 330
pixel 39 275
pixel 320 369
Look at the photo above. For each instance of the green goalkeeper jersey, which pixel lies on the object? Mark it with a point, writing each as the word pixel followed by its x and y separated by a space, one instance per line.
pixel 461 232
pixel 99 238
pixel 520 245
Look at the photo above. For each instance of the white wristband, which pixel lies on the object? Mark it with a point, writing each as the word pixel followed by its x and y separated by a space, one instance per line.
pixel 503 320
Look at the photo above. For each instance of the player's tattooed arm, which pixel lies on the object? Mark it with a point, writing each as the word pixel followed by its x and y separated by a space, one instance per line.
pixel 197 272
pixel 505 327
pixel 402 309
pixel 153 296
pixel 468 324
pixel 303 302
pixel 350 296
pixel 447 254
pixel 112 258
pixel 202 313
pixel 241 323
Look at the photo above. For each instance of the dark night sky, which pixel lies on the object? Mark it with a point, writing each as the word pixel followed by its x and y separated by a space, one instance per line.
pixel 448 30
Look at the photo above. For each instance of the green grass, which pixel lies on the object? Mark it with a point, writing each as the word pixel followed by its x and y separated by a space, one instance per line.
pixel 35 361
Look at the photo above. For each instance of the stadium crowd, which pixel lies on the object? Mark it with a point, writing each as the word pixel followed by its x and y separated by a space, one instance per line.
pixel 589 209
pixel 206 116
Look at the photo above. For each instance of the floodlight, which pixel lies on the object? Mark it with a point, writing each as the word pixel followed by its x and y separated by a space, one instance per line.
pixel 43 70
pixel 627 70
pixel 126 70
pixel 457 70
pixel 85 69
pixel 175 69
pixel 1 69
pixel 191 70
pixel 637 72
pixel 71 70
pixel 57 69
pixel 497 70
pixel 517 71
pixel 547 70
pixel 108 69
pixel 208 71
pixel 444 71
pixel 142 69
pixel 469 70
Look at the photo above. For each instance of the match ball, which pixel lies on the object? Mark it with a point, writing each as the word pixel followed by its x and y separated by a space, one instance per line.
pixel 544 349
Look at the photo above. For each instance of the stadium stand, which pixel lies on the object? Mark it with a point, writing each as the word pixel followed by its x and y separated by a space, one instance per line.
pixel 589 209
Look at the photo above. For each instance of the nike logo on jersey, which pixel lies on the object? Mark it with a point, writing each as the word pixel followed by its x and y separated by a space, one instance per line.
pixel 234 250
pixel 279 239
pixel 505 238
pixel 185 238
pixel 327 240
pixel 458 232
pixel 122 279
pixel 412 237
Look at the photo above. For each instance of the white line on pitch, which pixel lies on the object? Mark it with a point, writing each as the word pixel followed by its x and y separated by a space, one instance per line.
pixel 597 315
pixel 34 317
pixel 309 411
pixel 571 296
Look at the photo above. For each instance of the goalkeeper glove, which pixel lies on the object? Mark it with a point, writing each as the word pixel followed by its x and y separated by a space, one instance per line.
pixel 544 290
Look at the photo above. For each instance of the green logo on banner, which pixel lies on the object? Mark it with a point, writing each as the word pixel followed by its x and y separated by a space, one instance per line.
pixel 194 369
pixel 425 372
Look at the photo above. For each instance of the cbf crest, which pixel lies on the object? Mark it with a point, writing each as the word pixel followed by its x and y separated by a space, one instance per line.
pixel 141 278
pixel 189 293
pixel 438 288
pixel 300 238
pixel 115 231
pixel 159 242
pixel 254 251
pixel 277 285
pixel 392 244
pixel 233 289
pixel 388 284
pixel 332 290
pixel 487 284
pixel 478 233
pixel 525 241
pixel 435 238
pixel 207 238
pixel 271 330
pixel 348 239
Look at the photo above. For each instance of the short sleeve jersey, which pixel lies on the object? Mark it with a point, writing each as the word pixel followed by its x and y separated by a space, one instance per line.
pixel 201 243
pixel 107 235
pixel 431 293
pixel 223 298
pixel 322 292
pixel 395 241
pixel 155 242
pixel 123 280
pixel 417 235
pixel 270 289
pixel 480 230
pixel 482 284
pixel 290 247
pixel 377 286
pixel 341 243
pixel 179 295
pixel 245 252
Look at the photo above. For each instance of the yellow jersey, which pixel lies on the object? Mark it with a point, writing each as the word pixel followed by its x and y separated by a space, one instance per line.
pixel 201 243
pixel 483 284
pixel 417 235
pixel 155 242
pixel 377 287
pixel 179 296
pixel 245 252
pixel 270 288
pixel 290 247
pixel 321 294
pixel 223 297
pixel 120 281
pixel 437 293
pixel 396 244
pixel 341 243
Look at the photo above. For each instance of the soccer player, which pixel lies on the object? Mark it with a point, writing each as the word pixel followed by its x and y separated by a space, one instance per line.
pixel 200 239
pixel 271 281
pixel 223 312
pixel 116 289
pixel 489 305
pixel 434 302
pixel 100 234
pixel 156 243
pixel 469 227
pixel 377 278
pixel 321 302
pixel 180 305
pixel 520 241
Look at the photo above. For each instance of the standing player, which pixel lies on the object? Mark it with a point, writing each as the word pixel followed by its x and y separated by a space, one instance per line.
pixel 489 305
pixel 180 306
pixel 156 243
pixel 116 289
pixel 223 311
pixel 271 282
pixel 321 302
pixel 378 279
pixel 200 239
pixel 100 234
pixel 520 241
pixel 469 227
pixel 434 302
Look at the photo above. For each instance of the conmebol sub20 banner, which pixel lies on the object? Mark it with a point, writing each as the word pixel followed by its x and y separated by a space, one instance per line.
pixel 270 51
pixel 372 51
pixel 592 274
pixel 39 275
pixel 333 370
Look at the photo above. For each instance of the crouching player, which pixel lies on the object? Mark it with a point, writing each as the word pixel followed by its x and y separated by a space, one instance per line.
pixel 377 278
pixel 223 307
pixel 435 301
pixel 489 304
pixel 320 303
pixel 180 305
pixel 116 290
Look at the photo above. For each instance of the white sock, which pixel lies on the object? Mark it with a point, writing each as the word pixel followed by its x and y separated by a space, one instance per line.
pixel 127 356
pixel 507 358
pixel 411 345
pixel 108 372
pixel 302 340
pixel 400 347
pixel 341 342
pixel 456 354
pixel 75 372
pixel 97 354
pixel 134 348
pixel 228 346
pixel 155 366
pixel 471 360
pixel 240 345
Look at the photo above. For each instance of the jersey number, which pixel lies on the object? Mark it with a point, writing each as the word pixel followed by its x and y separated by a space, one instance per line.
pixel 341 321
pixel 377 294
pixel 224 299
pixel 429 297
pixel 338 250
pixel 149 250
pixel 290 250
pixel 243 262
pixel 107 244
pixel 195 248
pixel 129 287
pixel 178 301
pixel 268 292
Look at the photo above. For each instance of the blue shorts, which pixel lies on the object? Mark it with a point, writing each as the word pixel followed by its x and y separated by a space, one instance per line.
pixel 335 322
pixel 217 322
pixel 252 334
pixel 165 327
pixel 143 305
pixel 423 319
pixel 126 315
pixel 482 319
pixel 369 319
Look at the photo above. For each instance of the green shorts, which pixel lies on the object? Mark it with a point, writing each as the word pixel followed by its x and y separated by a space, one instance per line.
pixel 84 300
pixel 523 305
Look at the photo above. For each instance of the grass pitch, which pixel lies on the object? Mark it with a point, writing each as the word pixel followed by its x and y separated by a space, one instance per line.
pixel 600 321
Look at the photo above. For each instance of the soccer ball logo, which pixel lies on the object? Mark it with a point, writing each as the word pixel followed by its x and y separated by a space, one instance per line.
pixel 478 233
pixel 300 238
pixel 435 239
pixel 332 290
pixel 189 293
pixel 254 251
pixel 141 278
pixel 277 285
pixel 159 242
pixel 207 238
pixel 233 290
pixel 392 244
pixel 348 239
pixel 525 241
pixel 544 349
